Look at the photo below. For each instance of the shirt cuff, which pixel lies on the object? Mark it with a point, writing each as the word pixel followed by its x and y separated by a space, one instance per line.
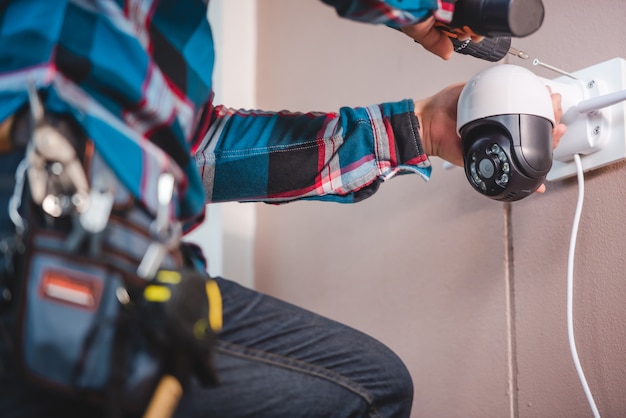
pixel 403 127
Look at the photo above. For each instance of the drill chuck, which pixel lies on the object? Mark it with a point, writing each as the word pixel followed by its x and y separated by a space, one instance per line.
pixel 489 49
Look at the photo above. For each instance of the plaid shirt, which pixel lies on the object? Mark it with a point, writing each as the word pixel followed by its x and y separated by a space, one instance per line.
pixel 136 75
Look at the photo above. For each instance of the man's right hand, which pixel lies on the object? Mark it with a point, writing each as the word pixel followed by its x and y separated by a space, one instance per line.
pixel 435 40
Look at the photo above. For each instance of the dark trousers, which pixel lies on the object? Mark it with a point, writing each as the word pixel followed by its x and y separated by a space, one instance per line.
pixel 274 360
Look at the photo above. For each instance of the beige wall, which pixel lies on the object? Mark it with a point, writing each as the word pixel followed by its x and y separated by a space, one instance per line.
pixel 469 292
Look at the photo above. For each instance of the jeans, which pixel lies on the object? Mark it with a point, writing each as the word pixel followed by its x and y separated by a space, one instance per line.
pixel 273 360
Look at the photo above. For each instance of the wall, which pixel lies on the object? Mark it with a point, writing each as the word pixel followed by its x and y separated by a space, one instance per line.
pixel 227 235
pixel 469 292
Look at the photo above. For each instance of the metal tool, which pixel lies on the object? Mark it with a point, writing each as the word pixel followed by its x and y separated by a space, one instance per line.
pixel 167 234
pixel 56 177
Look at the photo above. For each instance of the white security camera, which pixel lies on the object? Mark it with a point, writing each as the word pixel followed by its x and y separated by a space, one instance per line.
pixel 505 119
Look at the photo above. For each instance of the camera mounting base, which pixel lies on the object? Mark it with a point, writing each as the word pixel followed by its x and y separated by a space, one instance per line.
pixel 595 114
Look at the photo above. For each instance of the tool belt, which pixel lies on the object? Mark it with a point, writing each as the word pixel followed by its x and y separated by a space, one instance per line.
pixel 102 297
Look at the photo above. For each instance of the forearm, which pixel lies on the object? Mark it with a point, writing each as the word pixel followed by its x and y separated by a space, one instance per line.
pixel 415 18
pixel 284 156
pixel 390 13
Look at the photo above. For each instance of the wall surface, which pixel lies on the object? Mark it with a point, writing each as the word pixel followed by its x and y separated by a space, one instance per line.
pixel 469 292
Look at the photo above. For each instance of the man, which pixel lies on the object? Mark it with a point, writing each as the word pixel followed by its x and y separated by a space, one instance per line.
pixel 136 76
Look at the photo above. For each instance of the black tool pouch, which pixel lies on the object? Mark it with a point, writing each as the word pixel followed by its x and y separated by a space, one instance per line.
pixel 87 325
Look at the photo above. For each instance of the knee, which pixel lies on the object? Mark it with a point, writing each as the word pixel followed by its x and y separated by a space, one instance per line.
pixel 404 387
pixel 395 396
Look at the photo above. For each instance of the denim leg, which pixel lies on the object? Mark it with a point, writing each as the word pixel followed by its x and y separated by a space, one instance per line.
pixel 274 360
pixel 277 360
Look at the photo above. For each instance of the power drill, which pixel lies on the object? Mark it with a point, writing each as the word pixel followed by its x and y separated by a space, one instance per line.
pixel 497 21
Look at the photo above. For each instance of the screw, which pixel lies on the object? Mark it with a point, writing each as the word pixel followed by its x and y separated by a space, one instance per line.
pixel 591 84
pixel 596 130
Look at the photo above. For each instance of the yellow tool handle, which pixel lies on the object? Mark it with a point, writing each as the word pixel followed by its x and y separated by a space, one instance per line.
pixel 165 398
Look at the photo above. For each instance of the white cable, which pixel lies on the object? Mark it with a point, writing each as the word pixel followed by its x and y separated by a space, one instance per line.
pixel 570 286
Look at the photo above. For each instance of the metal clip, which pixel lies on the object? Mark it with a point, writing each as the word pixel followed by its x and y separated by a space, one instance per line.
pixel 167 235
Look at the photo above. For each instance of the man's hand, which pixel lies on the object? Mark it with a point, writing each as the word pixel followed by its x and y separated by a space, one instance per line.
pixel 431 38
pixel 437 118
pixel 434 40
pixel 559 129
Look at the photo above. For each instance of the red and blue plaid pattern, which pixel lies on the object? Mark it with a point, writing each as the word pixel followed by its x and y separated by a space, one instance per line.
pixel 136 75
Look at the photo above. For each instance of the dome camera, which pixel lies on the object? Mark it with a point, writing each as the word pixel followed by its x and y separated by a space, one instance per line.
pixel 505 119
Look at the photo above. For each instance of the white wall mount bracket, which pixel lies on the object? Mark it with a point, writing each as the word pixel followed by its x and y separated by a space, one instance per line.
pixel 595 114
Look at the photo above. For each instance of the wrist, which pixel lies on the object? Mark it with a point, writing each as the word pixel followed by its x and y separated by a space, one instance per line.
pixel 418 110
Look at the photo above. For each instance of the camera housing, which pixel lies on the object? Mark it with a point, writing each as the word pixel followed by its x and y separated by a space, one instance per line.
pixel 505 119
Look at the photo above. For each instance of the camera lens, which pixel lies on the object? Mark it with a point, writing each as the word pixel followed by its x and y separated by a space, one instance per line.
pixel 486 168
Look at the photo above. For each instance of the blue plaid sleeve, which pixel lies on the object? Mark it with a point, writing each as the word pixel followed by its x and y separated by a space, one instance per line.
pixel 393 13
pixel 282 156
